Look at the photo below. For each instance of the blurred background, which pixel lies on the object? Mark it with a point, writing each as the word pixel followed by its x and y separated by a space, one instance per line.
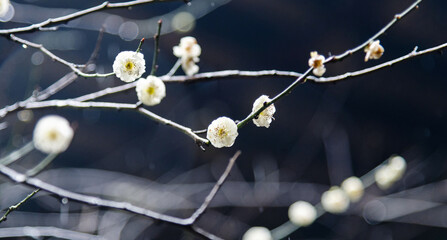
pixel 321 135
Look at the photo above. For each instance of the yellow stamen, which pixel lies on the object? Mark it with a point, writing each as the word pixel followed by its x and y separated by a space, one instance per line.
pixel 222 132
pixel 52 135
pixel 150 90
pixel 129 66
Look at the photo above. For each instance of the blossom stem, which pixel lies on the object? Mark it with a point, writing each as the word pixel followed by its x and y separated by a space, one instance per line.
pixel 174 68
pixel 17 154
pixel 39 167
pixel 396 18
pixel 286 91
pixel 156 48
pixel 139 45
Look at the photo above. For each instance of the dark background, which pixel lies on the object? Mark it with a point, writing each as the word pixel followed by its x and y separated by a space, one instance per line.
pixel 322 133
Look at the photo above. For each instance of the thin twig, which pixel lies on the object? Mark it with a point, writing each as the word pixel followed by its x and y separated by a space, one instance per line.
pixel 156 48
pixel 188 131
pixel 105 92
pixel 196 215
pixel 97 47
pixel 63 19
pixel 72 66
pixel 118 106
pixel 53 88
pixel 140 45
pixel 39 167
pixel 286 91
pixel 14 207
pixel 174 68
pixel 42 231
pixel 396 18
pixel 205 233
pixel 412 54
pixel 17 154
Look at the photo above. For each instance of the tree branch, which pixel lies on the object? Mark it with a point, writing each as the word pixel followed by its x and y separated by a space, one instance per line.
pixel 53 21
pixel 14 207
pixel 46 232
pixel 198 213
pixel 125 206
pixel 72 66
pixel 118 106
pixel 156 48
pixel 396 18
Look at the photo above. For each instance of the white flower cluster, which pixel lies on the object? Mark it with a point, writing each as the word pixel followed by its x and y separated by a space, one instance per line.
pixel 265 117
pixel 257 233
pixel 188 51
pixel 302 213
pixel 129 66
pixel 150 90
pixel 335 200
pixel 4 7
pixel 52 134
pixel 374 50
pixel 222 132
pixel 317 62
pixel 391 172
pixel 354 188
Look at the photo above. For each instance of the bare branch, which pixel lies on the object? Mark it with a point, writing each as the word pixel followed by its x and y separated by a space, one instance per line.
pixel 412 54
pixel 125 206
pixel 53 21
pixel 46 232
pixel 14 207
pixel 53 88
pixel 215 189
pixel 209 76
pixel 396 18
pixel 156 48
pixel 72 66
pixel 229 73
pixel 118 106
pixel 286 91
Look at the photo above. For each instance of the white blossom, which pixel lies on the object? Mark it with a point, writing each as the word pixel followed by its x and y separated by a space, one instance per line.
pixel 4 7
pixel 265 117
pixel 353 186
pixel 150 90
pixel 189 66
pixel 374 50
pixel 335 200
pixel 319 71
pixel 398 165
pixel 222 132
pixel 52 134
pixel 384 177
pixel 257 233
pixel 188 51
pixel 129 66
pixel 302 213
pixel 188 48
pixel 391 172
pixel 317 62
